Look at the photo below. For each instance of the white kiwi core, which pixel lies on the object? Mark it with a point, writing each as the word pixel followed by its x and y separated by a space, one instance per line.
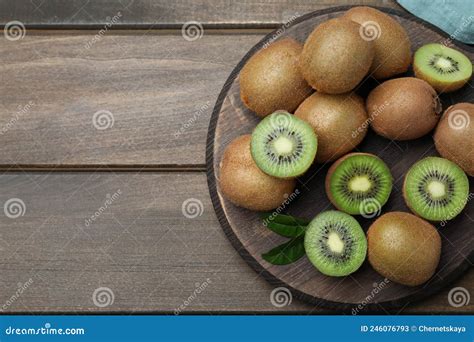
pixel 443 63
pixel 360 184
pixel 283 145
pixel 436 189
pixel 335 243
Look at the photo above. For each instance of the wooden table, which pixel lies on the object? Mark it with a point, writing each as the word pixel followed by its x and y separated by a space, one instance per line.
pixel 102 140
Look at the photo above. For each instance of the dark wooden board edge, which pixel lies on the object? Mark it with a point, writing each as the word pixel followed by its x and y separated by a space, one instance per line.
pixel 427 290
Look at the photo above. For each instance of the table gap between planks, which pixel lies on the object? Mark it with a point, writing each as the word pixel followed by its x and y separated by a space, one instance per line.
pixel 154 91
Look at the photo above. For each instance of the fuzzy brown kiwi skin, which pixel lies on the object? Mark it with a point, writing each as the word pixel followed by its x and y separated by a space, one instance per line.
pixel 271 79
pixel 340 122
pixel 457 144
pixel 328 58
pixel 333 168
pixel 244 184
pixel 392 47
pixel 403 108
pixel 404 248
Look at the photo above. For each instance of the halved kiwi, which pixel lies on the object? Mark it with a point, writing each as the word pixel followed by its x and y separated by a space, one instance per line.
pixel 244 184
pixel 283 146
pixel 444 68
pixel 359 183
pixel 335 243
pixel 436 189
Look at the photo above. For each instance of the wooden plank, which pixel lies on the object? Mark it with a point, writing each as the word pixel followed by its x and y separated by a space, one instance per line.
pixel 153 91
pixel 139 245
pixel 165 13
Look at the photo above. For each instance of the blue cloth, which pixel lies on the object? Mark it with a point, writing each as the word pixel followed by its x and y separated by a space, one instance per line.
pixel 455 17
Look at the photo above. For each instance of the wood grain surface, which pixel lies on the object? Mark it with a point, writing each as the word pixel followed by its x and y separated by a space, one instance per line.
pixel 142 247
pixel 160 89
pixel 165 13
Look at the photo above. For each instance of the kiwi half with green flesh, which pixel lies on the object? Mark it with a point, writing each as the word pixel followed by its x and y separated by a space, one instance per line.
pixel 244 184
pixel 404 248
pixel 335 243
pixel 390 40
pixel 444 68
pixel 436 189
pixel 359 183
pixel 271 79
pixel 454 136
pixel 335 57
pixel 283 146
pixel 340 122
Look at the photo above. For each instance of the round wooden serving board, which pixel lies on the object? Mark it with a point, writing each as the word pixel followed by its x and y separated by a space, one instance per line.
pixel 248 235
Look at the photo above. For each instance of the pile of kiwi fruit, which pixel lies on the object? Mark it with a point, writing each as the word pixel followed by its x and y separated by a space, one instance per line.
pixel 306 95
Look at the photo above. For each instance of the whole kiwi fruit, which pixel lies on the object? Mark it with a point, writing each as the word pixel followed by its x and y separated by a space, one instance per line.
pixel 340 122
pixel 335 58
pixel 390 40
pixel 403 108
pixel 404 248
pixel 271 80
pixel 454 136
pixel 244 184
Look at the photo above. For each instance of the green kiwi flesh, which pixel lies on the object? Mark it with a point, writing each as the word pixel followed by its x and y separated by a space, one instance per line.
pixel 436 189
pixel 283 146
pixel 335 243
pixel 444 68
pixel 359 183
